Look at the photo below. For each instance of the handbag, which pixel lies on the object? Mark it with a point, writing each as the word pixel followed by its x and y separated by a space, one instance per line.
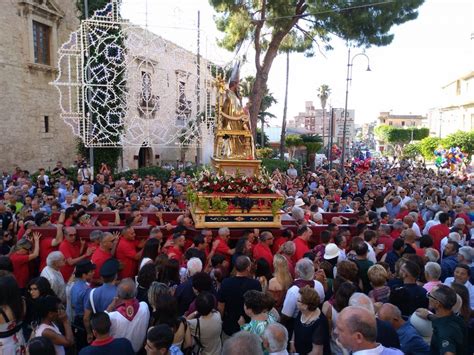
pixel 197 347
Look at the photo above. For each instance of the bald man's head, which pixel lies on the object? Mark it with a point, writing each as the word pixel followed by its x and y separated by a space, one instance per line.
pixel 356 328
pixel 126 289
pixel 390 313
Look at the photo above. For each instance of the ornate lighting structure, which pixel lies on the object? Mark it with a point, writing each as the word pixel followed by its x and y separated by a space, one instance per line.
pixel 121 85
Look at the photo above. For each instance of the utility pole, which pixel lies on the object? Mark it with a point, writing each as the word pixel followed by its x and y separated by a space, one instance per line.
pixel 91 149
pixel 198 90
pixel 331 133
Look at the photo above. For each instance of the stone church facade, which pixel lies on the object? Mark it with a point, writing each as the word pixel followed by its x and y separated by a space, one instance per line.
pixel 33 135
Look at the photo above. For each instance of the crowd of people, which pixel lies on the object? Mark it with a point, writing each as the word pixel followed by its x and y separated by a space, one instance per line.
pixel 393 273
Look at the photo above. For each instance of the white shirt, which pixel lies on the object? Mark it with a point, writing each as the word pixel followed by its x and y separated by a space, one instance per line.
pixel 289 305
pixel 342 255
pixel 90 198
pixel 430 224
pixel 56 280
pixel 376 351
pixel 144 262
pixel 371 254
pixel 416 229
pixel 283 352
pixel 59 349
pixel 134 330
pixel 469 286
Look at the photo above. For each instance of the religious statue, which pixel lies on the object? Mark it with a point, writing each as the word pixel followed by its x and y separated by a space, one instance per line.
pixel 234 138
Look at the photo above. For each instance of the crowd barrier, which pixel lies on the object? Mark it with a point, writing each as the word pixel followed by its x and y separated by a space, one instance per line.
pixel 149 220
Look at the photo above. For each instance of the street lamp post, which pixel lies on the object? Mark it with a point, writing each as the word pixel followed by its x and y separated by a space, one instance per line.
pixel 350 62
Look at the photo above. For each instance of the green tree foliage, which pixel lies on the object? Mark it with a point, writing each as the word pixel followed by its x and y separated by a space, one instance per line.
pixel 397 135
pixel 428 146
pixel 306 25
pixel 412 150
pixel 265 153
pixel 313 144
pixel 93 6
pixel 461 139
pixel 292 142
pixel 266 140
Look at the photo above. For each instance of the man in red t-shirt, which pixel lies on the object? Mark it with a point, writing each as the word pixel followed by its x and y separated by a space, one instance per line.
pixel 223 248
pixel 301 242
pixel 73 251
pixel 20 259
pixel 50 244
pixel 175 251
pixel 286 235
pixel 439 231
pixel 127 253
pixel 385 241
pixel 262 249
pixel 104 252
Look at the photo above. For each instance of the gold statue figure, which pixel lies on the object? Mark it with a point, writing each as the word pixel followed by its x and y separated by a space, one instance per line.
pixel 234 138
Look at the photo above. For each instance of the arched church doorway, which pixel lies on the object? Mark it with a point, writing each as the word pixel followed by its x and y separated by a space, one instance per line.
pixel 145 157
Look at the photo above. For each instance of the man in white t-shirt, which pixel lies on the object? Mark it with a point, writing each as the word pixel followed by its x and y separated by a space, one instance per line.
pixel 129 317
pixel 304 270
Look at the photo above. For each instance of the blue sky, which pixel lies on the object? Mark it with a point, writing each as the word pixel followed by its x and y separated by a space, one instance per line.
pixel 406 76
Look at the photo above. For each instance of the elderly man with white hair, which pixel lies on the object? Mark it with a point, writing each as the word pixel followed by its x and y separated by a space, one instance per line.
pixel 386 334
pixel 304 271
pixel 128 316
pixel 432 275
pixel 316 218
pixel 275 339
pixel 466 257
pixel 415 226
pixel 54 262
pixel 184 292
pixel 223 235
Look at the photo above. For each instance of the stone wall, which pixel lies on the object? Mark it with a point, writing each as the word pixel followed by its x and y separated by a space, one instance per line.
pixel 26 96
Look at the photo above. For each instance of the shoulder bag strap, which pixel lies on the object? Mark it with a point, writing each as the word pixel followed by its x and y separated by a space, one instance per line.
pixel 91 299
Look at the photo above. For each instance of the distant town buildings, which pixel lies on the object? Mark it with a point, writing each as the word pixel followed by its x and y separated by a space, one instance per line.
pixel 312 121
pixel 456 111
pixel 401 120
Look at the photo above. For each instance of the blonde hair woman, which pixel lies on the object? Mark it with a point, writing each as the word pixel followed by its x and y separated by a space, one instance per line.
pixel 281 280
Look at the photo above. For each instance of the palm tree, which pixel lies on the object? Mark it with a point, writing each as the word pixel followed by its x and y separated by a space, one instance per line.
pixel 323 93
pixel 293 141
pixel 267 101
pixel 313 144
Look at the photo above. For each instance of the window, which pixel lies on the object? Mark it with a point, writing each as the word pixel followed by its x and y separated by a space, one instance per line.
pixel 41 43
pixel 390 123
pixel 46 124
pixel 403 123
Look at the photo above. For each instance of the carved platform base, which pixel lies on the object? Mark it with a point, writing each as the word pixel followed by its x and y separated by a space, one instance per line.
pixel 232 166
pixel 259 216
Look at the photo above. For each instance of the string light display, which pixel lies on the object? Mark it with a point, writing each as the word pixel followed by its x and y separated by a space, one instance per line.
pixel 121 85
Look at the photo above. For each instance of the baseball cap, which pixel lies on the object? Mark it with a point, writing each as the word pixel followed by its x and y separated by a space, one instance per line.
pixel 109 268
